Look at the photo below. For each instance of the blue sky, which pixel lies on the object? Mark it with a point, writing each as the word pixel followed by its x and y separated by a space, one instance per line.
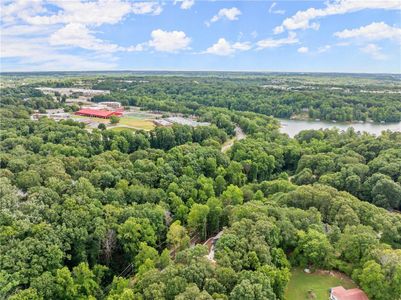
pixel 300 36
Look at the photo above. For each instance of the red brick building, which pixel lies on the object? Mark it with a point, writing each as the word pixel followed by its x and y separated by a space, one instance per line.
pixel 98 113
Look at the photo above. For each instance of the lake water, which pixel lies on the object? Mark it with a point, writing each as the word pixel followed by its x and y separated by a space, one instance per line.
pixel 292 127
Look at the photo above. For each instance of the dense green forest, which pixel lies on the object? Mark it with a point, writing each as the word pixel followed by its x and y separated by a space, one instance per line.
pixel 316 96
pixel 276 96
pixel 101 214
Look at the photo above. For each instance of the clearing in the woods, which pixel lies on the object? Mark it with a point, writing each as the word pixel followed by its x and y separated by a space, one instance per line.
pixel 315 286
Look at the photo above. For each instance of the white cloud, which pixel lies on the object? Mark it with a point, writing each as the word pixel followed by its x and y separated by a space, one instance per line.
pixel 26 30
pixel 18 47
pixel 36 55
pixel 242 46
pixel 277 11
pixel 303 50
pixel 323 49
pixel 372 32
pixel 278 29
pixel 136 48
pixel 33 33
pixel 93 13
pixel 272 6
pixel 75 11
pixel 375 31
pixel 343 44
pixel 78 35
pixel 302 19
pixel 274 43
pixel 230 14
pixel 224 48
pixel 169 41
pixel 185 4
pixel 143 8
pixel 11 11
pixel 374 51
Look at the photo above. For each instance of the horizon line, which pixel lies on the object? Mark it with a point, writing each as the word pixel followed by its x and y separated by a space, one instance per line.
pixel 199 71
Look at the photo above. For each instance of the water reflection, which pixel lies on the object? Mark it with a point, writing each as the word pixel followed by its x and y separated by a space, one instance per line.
pixel 292 127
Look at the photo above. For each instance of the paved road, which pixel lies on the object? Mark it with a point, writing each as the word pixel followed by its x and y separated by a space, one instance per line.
pixel 239 135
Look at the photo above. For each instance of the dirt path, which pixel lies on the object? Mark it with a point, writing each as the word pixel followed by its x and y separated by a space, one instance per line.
pixel 333 273
pixel 210 243
pixel 239 135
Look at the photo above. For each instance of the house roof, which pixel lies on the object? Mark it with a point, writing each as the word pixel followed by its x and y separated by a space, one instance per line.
pixel 352 294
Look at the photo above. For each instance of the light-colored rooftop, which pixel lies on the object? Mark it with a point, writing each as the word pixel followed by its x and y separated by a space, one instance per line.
pixel 186 121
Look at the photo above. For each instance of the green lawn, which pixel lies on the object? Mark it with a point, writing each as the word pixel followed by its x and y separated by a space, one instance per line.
pixel 118 129
pixel 137 123
pixel 133 122
pixel 301 283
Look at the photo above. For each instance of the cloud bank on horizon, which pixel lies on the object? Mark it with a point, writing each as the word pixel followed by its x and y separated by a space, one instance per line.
pixel 334 36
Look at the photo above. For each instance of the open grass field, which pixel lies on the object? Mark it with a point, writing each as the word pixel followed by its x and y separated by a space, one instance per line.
pixel 137 123
pixel 301 283
pixel 118 129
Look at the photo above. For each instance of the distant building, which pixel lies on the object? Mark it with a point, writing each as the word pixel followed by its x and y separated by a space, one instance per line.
pixel 70 90
pixel 179 120
pixel 111 104
pixel 186 121
pixel 102 106
pixel 340 293
pixel 98 113
pixel 162 122
pixel 55 111
pixel 54 116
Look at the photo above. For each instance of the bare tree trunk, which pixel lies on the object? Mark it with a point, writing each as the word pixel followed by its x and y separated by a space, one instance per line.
pixel 108 245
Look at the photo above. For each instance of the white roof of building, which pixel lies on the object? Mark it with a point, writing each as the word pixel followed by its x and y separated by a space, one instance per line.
pixel 162 122
pixel 186 121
